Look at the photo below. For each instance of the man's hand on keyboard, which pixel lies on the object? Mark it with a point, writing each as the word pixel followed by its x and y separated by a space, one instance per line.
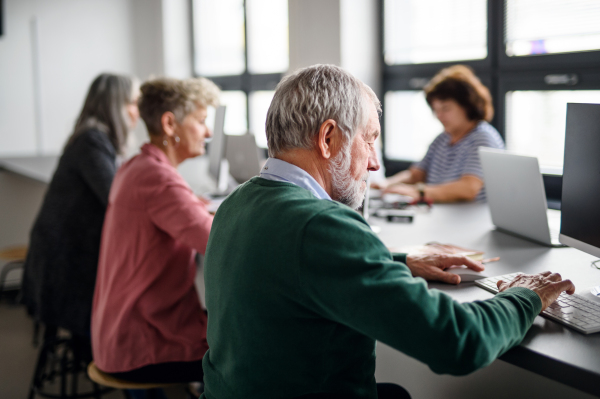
pixel 547 285
pixel 431 266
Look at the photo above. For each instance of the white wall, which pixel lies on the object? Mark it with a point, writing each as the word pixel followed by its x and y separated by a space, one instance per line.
pixel 51 50
pixel 177 38
pixel 339 32
pixel 314 32
pixel 147 27
pixel 17 123
pixel 359 27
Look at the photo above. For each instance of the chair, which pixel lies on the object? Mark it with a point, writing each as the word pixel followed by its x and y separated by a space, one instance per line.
pixel 108 380
pixel 16 259
pixel 15 256
pixel 62 357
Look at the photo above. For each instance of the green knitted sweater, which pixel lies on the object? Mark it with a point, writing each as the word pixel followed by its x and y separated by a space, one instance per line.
pixel 298 290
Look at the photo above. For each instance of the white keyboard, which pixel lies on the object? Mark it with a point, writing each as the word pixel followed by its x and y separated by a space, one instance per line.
pixel 573 311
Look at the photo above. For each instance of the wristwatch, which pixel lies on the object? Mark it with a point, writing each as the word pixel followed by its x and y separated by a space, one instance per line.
pixel 421 188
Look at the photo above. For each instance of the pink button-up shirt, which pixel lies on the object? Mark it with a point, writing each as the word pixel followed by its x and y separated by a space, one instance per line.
pixel 146 308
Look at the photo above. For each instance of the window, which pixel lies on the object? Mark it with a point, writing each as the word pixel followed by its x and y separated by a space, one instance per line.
pixel 259 105
pixel 551 26
pixel 219 37
pixel 269 50
pixel 418 31
pixel 246 57
pixel 414 125
pixel 236 117
pixel 533 55
pixel 535 123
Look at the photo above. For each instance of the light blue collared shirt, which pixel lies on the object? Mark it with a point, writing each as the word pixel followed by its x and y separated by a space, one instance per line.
pixel 278 170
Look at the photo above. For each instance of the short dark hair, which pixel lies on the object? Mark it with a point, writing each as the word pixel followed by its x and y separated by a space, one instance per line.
pixel 460 84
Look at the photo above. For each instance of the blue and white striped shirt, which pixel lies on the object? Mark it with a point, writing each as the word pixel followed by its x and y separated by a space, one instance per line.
pixel 445 162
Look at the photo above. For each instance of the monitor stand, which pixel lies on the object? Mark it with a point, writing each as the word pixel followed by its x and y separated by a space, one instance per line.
pixel 225 183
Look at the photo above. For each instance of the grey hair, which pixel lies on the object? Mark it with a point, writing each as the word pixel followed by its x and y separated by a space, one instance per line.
pixel 310 96
pixel 181 97
pixel 104 108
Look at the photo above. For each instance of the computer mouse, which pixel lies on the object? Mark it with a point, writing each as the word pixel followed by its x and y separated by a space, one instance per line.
pixel 466 274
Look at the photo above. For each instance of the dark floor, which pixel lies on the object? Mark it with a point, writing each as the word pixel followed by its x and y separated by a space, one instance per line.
pixel 18 355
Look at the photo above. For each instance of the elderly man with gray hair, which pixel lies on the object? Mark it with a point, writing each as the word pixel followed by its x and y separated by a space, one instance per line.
pixel 298 287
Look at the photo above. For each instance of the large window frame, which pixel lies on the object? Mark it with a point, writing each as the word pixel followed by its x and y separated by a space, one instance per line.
pixel 499 72
pixel 246 82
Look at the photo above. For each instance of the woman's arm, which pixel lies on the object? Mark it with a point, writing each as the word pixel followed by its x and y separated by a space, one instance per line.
pixel 175 209
pixel 464 189
pixel 409 176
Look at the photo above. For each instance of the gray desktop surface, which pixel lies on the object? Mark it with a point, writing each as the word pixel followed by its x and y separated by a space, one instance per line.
pixel 548 349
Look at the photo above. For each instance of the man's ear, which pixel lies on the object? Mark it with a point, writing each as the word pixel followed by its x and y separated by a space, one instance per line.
pixel 329 139
pixel 168 123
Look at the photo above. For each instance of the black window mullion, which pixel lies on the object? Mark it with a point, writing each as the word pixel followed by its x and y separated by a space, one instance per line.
pixel 246 78
pixel 381 37
pixel 246 81
pixel 495 9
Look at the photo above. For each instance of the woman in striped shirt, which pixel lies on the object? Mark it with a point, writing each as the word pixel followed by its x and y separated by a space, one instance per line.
pixel 451 169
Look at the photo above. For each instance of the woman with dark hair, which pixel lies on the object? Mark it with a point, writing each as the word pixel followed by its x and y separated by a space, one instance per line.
pixel 60 269
pixel 451 170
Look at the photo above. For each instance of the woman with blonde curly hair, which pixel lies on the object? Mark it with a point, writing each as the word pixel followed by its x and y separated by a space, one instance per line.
pixel 148 324
pixel 451 169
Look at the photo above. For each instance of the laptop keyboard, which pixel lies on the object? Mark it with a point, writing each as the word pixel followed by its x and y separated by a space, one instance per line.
pixel 573 311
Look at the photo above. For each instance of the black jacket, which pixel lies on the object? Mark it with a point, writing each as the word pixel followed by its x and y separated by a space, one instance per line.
pixel 60 269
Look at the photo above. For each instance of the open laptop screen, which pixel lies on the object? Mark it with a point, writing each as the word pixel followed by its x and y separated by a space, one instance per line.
pixel 216 149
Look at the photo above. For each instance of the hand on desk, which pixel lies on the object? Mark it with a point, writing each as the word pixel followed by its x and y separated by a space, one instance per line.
pixel 547 285
pixel 379 185
pixel 432 266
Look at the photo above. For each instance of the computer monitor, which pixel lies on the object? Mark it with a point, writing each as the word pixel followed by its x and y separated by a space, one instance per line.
pixel 216 149
pixel 580 219
pixel 243 157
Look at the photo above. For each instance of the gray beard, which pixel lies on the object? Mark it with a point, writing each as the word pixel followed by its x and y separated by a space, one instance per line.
pixel 345 189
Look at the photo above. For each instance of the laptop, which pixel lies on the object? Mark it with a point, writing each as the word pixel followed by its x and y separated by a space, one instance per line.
pixel 243 157
pixel 516 197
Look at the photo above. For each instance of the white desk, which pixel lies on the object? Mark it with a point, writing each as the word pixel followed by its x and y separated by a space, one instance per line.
pixel 40 168
pixel 549 349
